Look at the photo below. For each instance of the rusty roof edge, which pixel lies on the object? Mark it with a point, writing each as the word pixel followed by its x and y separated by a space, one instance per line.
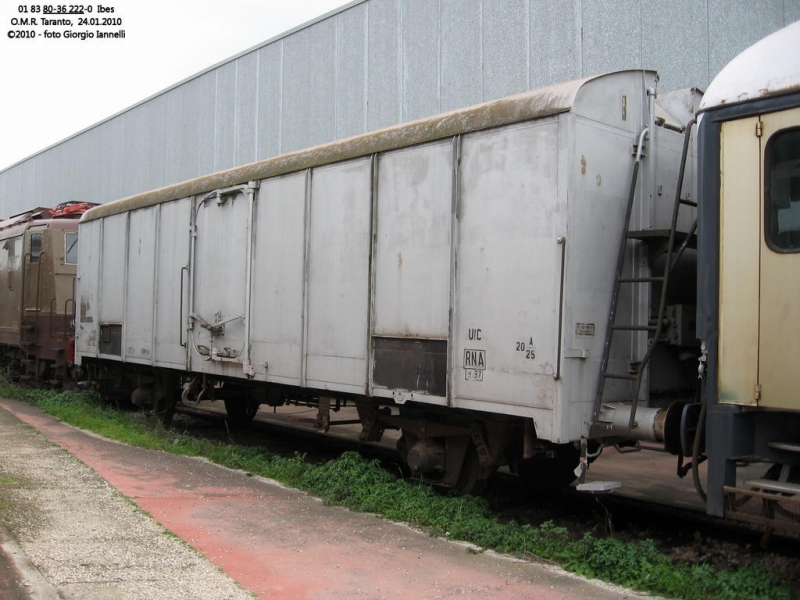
pixel 539 103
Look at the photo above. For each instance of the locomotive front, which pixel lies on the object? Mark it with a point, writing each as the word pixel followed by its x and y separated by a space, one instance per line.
pixel 38 264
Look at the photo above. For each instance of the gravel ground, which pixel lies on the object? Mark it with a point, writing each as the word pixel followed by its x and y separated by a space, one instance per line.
pixel 86 539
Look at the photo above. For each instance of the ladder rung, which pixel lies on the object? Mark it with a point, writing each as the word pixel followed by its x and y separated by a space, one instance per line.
pixel 619 376
pixel 687 202
pixel 640 279
pixel 634 327
pixel 659 236
pixel 648 235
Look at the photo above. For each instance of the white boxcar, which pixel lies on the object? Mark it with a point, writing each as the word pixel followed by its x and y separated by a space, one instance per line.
pixel 458 269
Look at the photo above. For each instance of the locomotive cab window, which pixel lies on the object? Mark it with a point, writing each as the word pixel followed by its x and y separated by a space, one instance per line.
pixel 36 247
pixel 70 248
pixel 782 193
pixel 13 247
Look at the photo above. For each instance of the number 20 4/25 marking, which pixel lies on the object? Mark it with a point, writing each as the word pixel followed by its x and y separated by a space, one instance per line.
pixel 527 349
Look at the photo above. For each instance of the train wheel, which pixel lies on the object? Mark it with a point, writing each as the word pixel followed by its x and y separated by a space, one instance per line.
pixel 550 470
pixel 240 410
pixel 472 479
pixel 166 398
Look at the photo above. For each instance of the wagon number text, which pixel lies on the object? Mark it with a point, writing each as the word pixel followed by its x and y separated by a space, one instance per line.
pixel 527 349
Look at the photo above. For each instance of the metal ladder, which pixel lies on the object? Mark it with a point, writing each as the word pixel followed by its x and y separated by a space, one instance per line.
pixel 599 429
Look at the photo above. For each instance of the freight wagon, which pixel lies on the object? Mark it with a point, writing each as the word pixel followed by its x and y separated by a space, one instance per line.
pixel 514 283
pixel 455 269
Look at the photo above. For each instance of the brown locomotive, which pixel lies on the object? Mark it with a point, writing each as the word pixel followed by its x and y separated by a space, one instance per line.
pixel 38 266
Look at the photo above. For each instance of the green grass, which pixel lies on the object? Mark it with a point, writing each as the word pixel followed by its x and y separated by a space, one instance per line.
pixel 362 485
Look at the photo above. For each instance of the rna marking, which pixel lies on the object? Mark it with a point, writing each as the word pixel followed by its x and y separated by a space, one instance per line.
pixel 475 359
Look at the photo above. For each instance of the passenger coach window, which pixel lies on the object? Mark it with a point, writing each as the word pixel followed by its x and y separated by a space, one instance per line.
pixel 782 193
pixel 71 249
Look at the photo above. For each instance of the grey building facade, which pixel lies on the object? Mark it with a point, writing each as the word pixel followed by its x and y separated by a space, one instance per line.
pixel 375 63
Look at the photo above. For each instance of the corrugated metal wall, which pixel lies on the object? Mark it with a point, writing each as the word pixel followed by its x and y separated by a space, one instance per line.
pixel 380 62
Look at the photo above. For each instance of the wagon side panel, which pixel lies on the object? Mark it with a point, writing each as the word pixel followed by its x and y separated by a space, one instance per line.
pixel 113 275
pixel 278 282
pixel 88 301
pixel 140 286
pixel 338 276
pixel 509 271
pixel 218 283
pixel 171 293
pixel 413 271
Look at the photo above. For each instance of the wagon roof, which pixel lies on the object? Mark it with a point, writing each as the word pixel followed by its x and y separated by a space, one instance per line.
pixel 526 106
pixel 768 67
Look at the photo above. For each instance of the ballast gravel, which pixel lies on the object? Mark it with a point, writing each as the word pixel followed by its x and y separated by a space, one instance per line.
pixel 83 539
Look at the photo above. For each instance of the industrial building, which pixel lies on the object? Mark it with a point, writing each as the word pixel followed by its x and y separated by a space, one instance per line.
pixel 375 63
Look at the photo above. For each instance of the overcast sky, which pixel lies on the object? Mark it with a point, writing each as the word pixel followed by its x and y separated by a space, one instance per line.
pixel 53 88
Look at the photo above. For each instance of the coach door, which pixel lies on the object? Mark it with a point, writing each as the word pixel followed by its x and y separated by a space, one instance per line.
pixel 759 313
pixel 779 323
pixel 219 292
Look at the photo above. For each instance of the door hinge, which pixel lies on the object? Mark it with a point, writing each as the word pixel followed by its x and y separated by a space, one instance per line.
pixel 759 128
pixel 757 392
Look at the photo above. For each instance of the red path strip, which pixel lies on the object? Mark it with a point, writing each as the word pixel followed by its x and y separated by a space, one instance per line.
pixel 280 543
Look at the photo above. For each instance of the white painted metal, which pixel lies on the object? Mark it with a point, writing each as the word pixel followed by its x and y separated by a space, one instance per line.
pixel 218 282
pixel 492 232
pixel 648 425
pixel 278 282
pixel 137 346
pixel 88 299
pixel 767 67
pixel 412 255
pixel 171 292
pixel 412 262
pixel 338 276
pixel 509 269
pixel 113 279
